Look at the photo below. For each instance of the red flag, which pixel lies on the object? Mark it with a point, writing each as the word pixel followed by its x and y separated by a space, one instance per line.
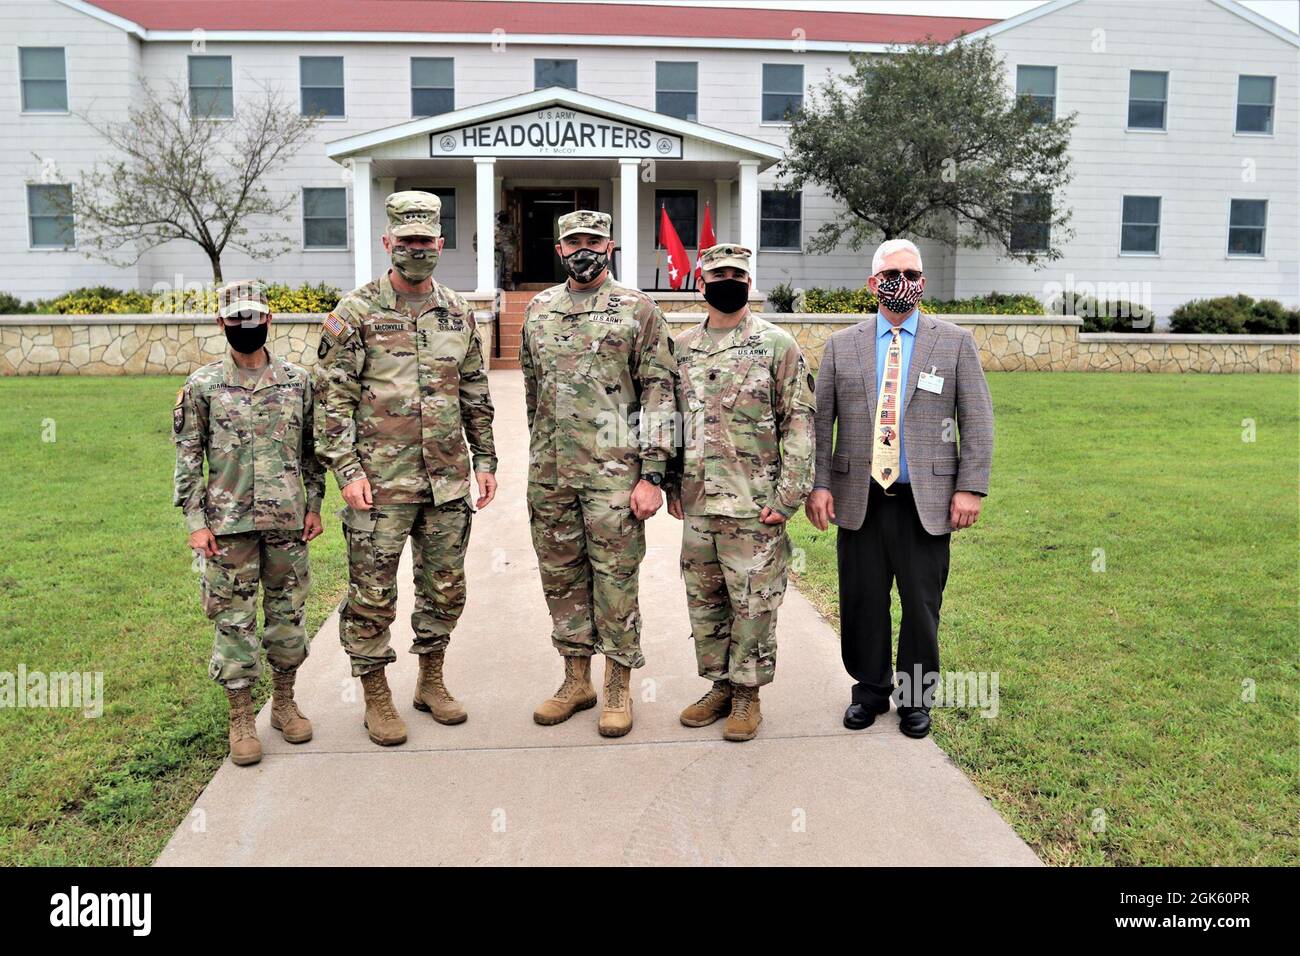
pixel 707 239
pixel 679 264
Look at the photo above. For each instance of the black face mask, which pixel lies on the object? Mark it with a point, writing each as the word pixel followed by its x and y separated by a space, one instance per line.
pixel 727 295
pixel 246 339
pixel 585 264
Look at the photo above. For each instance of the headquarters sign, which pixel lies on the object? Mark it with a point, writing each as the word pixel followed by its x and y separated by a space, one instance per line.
pixel 555 131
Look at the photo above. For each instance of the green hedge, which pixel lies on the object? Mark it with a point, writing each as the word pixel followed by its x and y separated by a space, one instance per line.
pixel 105 300
pixel 1235 315
pixel 863 300
pixel 1104 315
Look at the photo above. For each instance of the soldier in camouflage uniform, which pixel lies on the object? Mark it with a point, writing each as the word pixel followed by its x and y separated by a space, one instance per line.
pixel 747 402
pixel 401 386
pixel 250 415
pixel 597 363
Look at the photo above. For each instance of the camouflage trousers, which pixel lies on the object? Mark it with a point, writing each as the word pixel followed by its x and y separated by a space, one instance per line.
pixel 375 539
pixel 589 549
pixel 278 560
pixel 735 572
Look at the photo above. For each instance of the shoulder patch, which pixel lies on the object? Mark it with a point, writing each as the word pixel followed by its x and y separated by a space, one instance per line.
pixel 178 411
pixel 336 327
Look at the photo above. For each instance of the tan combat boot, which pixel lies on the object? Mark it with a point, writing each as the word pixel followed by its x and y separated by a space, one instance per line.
pixel 745 714
pixel 616 717
pixel 714 705
pixel 245 748
pixel 431 694
pixel 381 720
pixel 575 694
pixel 285 715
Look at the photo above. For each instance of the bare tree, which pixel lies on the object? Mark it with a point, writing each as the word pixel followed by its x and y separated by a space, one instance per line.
pixel 180 176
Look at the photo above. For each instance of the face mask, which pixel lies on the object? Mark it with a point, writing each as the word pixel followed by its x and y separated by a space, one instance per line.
pixel 585 264
pixel 900 294
pixel 414 265
pixel 246 339
pixel 726 295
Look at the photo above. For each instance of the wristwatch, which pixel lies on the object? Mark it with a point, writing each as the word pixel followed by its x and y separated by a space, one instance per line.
pixel 654 477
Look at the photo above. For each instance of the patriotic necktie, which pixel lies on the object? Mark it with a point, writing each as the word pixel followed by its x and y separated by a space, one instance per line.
pixel 884 456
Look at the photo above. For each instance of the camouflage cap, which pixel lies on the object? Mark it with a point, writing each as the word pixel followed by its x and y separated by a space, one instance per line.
pixel 585 220
pixel 414 213
pixel 245 295
pixel 725 254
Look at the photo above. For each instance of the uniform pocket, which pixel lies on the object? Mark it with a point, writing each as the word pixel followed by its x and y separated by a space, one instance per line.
pixel 767 581
pixel 357 519
pixel 217 588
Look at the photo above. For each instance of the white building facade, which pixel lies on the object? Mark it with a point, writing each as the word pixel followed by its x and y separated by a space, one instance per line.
pixel 1184 155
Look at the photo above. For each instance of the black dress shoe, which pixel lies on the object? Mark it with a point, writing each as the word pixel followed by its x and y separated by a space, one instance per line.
pixel 914 722
pixel 860 716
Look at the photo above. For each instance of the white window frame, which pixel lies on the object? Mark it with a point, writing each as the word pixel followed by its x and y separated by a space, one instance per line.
pixel 27 210
pixel 803 93
pixel 695 92
pixel 347 223
pixel 67 88
pixel 779 250
pixel 410 73
pixel 1128 101
pixel 1236 106
pixel 1048 245
pixel 1159 224
pixel 1056 95
pixel 312 56
pixel 189 90
pixel 1227 235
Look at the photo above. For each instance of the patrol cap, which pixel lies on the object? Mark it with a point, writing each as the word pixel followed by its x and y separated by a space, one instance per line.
pixel 725 254
pixel 245 295
pixel 414 213
pixel 585 220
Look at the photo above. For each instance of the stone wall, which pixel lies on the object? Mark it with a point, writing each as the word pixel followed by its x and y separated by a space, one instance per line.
pixel 156 345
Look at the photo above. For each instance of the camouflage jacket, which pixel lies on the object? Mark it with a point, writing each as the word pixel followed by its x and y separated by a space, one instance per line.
pixel 747 407
pixel 258 445
pixel 400 394
pixel 598 380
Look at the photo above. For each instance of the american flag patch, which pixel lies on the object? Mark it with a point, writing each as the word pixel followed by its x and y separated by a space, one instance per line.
pixel 335 326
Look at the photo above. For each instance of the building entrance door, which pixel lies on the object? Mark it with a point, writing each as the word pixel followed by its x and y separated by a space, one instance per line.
pixel 537 211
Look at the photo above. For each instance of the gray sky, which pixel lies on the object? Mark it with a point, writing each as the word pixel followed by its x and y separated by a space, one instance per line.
pixel 1285 12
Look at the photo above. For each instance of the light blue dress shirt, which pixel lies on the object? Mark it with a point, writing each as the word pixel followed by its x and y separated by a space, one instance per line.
pixel 906 340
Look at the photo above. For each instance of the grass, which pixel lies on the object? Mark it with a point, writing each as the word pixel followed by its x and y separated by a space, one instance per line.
pixel 1126 733
pixel 95 575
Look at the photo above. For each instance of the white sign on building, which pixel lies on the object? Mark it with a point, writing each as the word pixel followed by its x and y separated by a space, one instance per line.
pixel 555 132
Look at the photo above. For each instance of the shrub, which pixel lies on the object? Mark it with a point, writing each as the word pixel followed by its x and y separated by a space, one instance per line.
pixel 1104 315
pixel 782 297
pixel 1235 315
pixel 12 305
pixel 305 298
pixel 95 300
pixel 862 300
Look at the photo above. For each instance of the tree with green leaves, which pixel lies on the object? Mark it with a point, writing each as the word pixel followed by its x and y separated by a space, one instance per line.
pixel 928 142
pixel 180 176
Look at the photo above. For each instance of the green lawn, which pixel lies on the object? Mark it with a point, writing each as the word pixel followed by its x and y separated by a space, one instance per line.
pixel 1121 691
pixel 95 575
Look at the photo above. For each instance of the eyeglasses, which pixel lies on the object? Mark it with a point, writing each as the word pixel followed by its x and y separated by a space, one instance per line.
pixel 912 274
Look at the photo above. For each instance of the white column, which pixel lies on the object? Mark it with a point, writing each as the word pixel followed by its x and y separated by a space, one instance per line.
pixel 485 202
pixel 628 193
pixel 361 224
pixel 722 209
pixel 749 212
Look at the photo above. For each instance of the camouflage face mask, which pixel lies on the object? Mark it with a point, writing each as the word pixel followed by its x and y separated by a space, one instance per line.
pixel 414 265
pixel 585 264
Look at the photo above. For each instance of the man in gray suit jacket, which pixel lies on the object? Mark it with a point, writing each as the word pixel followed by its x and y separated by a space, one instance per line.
pixel 902 387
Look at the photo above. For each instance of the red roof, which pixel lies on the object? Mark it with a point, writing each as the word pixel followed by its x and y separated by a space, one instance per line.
pixel 482 16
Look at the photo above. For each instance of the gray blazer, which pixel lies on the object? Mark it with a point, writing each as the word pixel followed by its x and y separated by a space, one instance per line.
pixel 846 396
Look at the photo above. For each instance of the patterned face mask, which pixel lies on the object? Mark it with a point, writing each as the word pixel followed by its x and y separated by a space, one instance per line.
pixel 585 264
pixel 900 293
pixel 414 265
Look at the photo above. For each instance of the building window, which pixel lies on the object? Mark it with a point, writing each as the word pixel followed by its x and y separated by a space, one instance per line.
pixel 212 93
pixel 782 91
pixel 1147 95
pixel 1255 104
pixel 677 90
pixel 433 86
pixel 1139 231
pixel 1033 229
pixel 321 80
pixel 44 78
pixel 448 216
pixel 683 211
pixel 1038 85
pixel 1246 220
pixel 49 217
pixel 555 73
pixel 780 224
pixel 325 218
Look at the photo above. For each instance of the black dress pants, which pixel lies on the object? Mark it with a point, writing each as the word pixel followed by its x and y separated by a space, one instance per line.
pixel 891 545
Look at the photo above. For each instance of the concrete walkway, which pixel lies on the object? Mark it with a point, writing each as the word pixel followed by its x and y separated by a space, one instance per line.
pixel 500 789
